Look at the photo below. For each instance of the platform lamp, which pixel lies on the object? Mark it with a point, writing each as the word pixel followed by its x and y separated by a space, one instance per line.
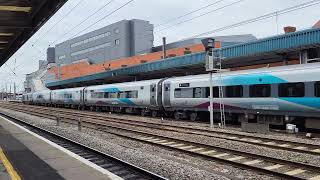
pixel 208 43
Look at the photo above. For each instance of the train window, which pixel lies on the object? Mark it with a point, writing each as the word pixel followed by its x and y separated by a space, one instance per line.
pixel 132 94
pixel 260 90
pixel 291 90
pixel 97 95
pixel 113 95
pixel 197 92
pixel 122 95
pixel 215 92
pixel 177 93
pixel 317 89
pixel 183 93
pixel 153 89
pixel 234 91
pixel 106 95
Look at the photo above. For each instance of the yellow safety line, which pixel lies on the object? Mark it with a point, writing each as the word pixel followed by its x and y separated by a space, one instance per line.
pixel 12 173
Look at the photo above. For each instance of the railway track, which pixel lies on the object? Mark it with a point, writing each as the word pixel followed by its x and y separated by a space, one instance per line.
pixel 114 165
pixel 273 166
pixel 250 139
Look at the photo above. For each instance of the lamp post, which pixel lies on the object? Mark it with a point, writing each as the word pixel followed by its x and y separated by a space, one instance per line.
pixel 210 67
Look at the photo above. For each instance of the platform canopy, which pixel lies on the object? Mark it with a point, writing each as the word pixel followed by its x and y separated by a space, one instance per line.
pixel 20 19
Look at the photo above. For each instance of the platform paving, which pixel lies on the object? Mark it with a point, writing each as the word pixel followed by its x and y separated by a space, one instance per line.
pixel 3 172
pixel 35 159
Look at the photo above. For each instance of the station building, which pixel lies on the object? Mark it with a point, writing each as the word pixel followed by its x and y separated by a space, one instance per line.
pixel 118 40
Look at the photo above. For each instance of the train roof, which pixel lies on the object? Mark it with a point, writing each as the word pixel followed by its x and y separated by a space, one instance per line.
pixel 290 68
pixel 137 83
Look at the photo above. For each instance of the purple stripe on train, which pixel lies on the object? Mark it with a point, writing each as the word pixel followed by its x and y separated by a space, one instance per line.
pixel 217 106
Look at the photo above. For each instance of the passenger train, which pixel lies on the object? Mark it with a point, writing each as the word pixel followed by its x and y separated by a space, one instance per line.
pixel 278 94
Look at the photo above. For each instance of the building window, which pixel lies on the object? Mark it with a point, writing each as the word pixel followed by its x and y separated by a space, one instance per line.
pixel 234 91
pixel 291 90
pixel 117 42
pixel 62 57
pixel 100 36
pixel 317 89
pixel 117 30
pixel 260 90
pixel 108 44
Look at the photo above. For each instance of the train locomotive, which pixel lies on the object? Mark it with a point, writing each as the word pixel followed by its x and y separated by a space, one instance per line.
pixel 279 94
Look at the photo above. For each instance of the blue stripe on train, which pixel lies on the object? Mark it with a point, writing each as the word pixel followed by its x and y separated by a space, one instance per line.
pixel 304 101
pixel 110 90
pixel 249 79
pixel 127 101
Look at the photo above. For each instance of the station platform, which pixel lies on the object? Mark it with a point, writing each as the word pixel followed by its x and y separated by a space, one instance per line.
pixel 28 156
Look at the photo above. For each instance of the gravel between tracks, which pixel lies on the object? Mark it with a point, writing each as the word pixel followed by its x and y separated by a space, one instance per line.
pixel 273 135
pixel 171 164
pixel 245 147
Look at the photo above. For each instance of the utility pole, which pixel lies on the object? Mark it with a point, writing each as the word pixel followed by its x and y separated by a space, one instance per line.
pixel 209 46
pixel 214 65
pixel 164 47
pixel 14 91
pixel 58 71
pixel 6 92
pixel 10 92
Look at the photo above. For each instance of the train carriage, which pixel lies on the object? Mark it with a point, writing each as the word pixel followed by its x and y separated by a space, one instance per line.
pixel 130 97
pixel 289 93
pixel 72 97
pixel 42 97
pixel 27 98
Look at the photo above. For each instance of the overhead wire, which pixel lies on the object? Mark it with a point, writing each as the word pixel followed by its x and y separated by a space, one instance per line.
pixel 259 18
pixel 109 14
pixel 104 17
pixel 84 20
pixel 73 28
pixel 242 23
pixel 59 21
pixel 201 15
pixel 50 29
pixel 188 13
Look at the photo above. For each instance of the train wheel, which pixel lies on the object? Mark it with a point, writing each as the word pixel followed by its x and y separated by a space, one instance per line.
pixel 176 115
pixel 193 116
pixel 143 113
pixel 154 114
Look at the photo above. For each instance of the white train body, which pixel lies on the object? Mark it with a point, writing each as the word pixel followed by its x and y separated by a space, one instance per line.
pixel 72 96
pixel 281 91
pixel 42 97
pixel 130 94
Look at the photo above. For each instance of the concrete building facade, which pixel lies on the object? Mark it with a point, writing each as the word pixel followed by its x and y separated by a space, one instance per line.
pixel 122 39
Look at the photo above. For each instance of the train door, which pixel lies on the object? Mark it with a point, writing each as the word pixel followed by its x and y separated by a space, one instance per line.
pixel 159 92
pixel 166 95
pixel 153 95
pixel 81 96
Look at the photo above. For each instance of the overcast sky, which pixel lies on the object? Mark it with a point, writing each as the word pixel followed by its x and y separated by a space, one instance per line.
pixel 157 12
